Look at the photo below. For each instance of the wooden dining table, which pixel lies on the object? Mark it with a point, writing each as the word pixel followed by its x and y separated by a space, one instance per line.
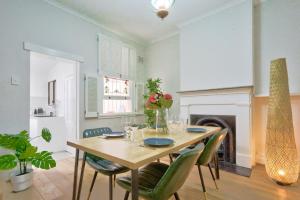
pixel 132 153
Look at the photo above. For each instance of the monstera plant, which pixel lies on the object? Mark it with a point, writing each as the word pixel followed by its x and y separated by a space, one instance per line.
pixel 23 154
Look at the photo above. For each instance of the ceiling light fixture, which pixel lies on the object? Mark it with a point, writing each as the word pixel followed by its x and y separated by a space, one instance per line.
pixel 162 7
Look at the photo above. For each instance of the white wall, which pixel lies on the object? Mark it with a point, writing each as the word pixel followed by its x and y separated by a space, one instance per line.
pixel 162 61
pixel 60 72
pixel 39 72
pixel 277 31
pixel 39 23
pixel 216 51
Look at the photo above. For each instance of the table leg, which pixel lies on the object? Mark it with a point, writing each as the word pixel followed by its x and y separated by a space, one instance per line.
pixel 75 174
pixel 134 186
pixel 81 176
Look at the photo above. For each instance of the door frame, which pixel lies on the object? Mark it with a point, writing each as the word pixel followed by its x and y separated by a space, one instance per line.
pixel 78 60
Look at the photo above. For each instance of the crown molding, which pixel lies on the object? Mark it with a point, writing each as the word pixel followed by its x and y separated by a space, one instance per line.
pixel 94 22
pixel 211 13
pixel 165 37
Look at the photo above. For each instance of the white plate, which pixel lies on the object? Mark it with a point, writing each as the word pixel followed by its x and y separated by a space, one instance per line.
pixel 113 135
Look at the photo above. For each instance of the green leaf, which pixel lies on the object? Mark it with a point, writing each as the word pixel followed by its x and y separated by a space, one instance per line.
pixel 14 141
pixel 8 141
pixel 166 103
pixel 7 162
pixel 29 152
pixel 46 135
pixel 43 160
pixel 24 134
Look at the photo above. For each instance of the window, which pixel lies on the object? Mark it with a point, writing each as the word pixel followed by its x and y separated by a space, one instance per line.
pixel 117 69
pixel 117 95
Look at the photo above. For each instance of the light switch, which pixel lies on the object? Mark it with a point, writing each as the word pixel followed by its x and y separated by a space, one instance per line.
pixel 14 80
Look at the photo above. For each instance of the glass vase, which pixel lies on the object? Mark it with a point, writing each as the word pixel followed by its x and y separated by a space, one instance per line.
pixel 161 122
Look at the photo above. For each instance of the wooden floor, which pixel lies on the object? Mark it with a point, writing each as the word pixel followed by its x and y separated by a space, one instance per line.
pixel 57 184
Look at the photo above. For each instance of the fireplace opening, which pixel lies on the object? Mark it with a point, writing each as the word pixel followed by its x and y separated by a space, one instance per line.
pixel 227 150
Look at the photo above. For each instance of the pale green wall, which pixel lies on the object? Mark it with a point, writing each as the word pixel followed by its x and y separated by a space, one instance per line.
pixel 37 22
pixel 162 61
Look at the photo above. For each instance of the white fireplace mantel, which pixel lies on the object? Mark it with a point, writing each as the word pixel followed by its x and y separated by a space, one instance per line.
pixel 227 101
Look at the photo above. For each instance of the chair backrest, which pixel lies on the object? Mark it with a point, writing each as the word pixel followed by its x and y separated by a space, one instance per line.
pixel 212 147
pixel 177 173
pixel 96 132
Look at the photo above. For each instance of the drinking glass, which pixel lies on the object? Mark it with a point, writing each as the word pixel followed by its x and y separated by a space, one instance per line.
pixel 125 121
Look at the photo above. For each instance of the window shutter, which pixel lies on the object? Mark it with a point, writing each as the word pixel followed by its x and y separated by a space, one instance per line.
pixel 125 62
pixel 132 64
pixel 109 55
pixel 91 96
pixel 139 97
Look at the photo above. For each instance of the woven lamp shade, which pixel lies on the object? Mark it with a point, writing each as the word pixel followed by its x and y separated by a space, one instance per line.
pixel 281 152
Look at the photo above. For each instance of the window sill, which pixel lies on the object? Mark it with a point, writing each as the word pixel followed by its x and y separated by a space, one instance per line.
pixel 119 115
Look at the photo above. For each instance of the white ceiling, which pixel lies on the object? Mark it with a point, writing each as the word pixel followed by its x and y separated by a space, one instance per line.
pixel 136 18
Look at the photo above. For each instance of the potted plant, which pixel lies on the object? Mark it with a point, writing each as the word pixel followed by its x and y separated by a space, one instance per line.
pixel 23 155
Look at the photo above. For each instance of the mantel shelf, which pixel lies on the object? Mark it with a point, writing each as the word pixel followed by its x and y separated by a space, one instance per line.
pixel 231 90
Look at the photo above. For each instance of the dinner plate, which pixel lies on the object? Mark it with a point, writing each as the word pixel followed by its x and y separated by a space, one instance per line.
pixel 158 142
pixel 114 134
pixel 196 130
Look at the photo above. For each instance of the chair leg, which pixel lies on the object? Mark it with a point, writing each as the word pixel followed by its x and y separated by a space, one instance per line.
pixel 216 162
pixel 202 181
pixel 110 187
pixel 126 195
pixel 93 182
pixel 213 176
pixel 176 196
pixel 171 159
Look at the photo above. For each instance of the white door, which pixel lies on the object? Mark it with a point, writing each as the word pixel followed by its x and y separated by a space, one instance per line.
pixel 70 110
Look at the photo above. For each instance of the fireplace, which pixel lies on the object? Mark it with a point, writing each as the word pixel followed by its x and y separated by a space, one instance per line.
pixel 227 150
pixel 230 105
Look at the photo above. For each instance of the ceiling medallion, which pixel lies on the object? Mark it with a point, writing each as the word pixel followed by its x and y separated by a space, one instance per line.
pixel 162 7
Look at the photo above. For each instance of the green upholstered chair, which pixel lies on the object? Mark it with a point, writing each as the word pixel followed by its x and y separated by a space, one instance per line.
pixel 158 181
pixel 101 165
pixel 207 155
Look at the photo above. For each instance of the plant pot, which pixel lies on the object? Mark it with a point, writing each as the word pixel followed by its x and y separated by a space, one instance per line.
pixel 22 182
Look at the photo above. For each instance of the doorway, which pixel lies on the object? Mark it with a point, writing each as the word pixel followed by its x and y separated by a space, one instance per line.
pixel 54 100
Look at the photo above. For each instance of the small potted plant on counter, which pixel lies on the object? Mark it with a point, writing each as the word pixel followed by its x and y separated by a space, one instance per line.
pixel 23 155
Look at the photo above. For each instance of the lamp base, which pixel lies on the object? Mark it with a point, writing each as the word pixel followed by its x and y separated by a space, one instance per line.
pixel 282 184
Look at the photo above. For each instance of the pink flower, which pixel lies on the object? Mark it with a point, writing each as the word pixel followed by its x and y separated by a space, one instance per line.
pixel 167 97
pixel 152 99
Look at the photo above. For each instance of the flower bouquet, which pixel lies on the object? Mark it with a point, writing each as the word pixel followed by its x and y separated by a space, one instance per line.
pixel 160 102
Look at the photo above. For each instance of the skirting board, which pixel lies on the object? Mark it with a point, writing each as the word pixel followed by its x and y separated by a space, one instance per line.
pixel 243 160
pixel 260 159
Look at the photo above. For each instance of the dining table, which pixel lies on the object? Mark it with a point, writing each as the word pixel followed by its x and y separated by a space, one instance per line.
pixel 132 153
